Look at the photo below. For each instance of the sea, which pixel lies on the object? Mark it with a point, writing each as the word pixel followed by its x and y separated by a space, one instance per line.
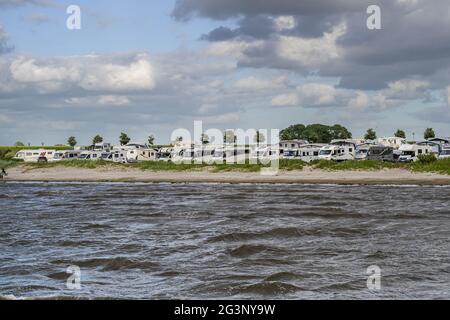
pixel 223 241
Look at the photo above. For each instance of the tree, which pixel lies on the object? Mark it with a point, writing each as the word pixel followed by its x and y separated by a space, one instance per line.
pixel 315 133
pixel 19 144
pixel 294 132
pixel 429 134
pixel 340 132
pixel 370 135
pixel 229 137
pixel 97 139
pixel 151 140
pixel 204 138
pixel 124 139
pixel 72 141
pixel 400 134
pixel 259 137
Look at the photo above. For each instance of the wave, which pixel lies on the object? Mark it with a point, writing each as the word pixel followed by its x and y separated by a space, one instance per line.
pixel 270 288
pixel 112 264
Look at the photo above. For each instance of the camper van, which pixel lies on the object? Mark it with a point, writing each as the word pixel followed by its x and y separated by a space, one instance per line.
pixel 264 153
pixel 445 153
pixel 65 155
pixel 164 154
pixel 394 142
pixel 38 155
pixel 411 152
pixel 339 150
pixel 309 152
pixel 91 155
pixel 136 155
pixel 381 153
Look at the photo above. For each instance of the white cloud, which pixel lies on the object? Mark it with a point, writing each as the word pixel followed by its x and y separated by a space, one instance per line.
pixel 361 101
pixel 28 70
pixel 285 23
pixel 138 75
pixel 406 89
pixel 233 49
pixel 285 100
pixel 310 52
pixel 91 73
pixel 103 100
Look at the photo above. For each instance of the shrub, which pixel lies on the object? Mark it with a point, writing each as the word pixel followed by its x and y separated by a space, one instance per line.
pixel 427 158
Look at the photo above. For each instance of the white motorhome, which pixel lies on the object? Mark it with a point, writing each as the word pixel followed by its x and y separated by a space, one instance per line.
pixel 35 155
pixel 91 155
pixel 65 155
pixel 411 152
pixel 445 152
pixel 136 155
pixel 309 152
pixel 394 142
pixel 338 150
pixel 165 154
pixel 362 150
pixel 265 153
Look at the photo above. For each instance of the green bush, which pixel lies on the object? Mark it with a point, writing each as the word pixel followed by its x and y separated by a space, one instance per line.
pixel 427 158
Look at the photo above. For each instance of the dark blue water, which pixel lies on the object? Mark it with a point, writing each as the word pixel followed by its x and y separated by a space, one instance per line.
pixel 152 241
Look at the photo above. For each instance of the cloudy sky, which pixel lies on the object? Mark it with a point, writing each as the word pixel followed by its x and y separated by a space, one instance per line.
pixel 149 67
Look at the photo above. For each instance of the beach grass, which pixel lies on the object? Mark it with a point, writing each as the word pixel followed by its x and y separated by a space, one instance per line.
pixel 437 166
pixel 424 165
pixel 362 165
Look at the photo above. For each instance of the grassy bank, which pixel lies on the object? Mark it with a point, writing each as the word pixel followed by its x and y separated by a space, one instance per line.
pixel 167 166
pixel 366 165
pixel 441 166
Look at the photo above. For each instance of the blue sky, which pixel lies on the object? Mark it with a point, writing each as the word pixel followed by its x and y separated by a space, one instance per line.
pixel 149 67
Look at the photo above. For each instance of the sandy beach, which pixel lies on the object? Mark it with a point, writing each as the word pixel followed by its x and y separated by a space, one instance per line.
pixel 306 176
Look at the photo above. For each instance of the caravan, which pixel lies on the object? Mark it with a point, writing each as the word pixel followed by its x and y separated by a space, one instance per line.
pixel 445 153
pixel 339 150
pixel 411 152
pixel 38 155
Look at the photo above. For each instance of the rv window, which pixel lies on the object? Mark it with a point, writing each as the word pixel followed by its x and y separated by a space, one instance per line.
pixel 350 150
pixel 420 151
pixel 316 153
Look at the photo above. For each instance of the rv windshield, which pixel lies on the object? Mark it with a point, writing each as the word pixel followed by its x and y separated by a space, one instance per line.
pixel 446 152
pixel 324 152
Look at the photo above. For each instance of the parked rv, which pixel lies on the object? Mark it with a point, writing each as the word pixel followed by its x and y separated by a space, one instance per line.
pixel 411 152
pixel 394 142
pixel 91 155
pixel 66 155
pixel 309 152
pixel 445 153
pixel 35 155
pixel 381 153
pixel 339 150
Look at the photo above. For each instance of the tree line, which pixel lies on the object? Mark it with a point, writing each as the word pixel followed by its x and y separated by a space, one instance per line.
pixel 314 133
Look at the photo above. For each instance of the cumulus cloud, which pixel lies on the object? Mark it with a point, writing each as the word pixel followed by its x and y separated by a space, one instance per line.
pixel 91 73
pixel 103 100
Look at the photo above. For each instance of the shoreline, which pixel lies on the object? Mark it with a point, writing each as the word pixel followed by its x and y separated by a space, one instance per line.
pixel 307 176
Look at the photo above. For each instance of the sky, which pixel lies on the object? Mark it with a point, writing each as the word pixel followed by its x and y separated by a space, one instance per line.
pixel 150 67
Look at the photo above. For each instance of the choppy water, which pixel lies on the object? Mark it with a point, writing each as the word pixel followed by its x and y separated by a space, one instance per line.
pixel 151 241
